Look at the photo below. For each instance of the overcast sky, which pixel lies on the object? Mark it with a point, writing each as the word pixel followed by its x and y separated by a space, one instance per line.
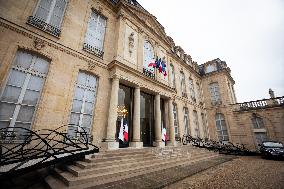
pixel 247 34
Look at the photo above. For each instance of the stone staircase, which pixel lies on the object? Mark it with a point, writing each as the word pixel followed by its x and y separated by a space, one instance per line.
pixel 116 165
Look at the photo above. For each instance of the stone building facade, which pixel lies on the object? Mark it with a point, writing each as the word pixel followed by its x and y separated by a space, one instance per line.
pixel 108 66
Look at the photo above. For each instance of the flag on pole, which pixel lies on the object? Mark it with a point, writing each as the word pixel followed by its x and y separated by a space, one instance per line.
pixel 125 133
pixel 164 135
pixel 121 136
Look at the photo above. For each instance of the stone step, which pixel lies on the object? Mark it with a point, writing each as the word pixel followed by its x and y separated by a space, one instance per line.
pixel 90 181
pixel 88 165
pixel 77 171
pixel 71 180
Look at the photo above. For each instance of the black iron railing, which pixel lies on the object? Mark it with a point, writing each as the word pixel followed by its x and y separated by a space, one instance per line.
pixel 40 24
pixel 221 147
pixel 148 73
pixel 93 50
pixel 23 150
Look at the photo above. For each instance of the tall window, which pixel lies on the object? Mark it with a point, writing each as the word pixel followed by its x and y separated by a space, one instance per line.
pixel 94 39
pixel 148 56
pixel 214 92
pixel 175 120
pixel 182 84
pixel 173 82
pixel 198 94
pixel 221 127
pixel 205 129
pixel 83 104
pixel 186 121
pixel 191 89
pixel 257 122
pixel 49 12
pixel 196 124
pixel 22 91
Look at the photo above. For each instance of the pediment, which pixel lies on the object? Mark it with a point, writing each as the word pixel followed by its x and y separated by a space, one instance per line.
pixel 148 19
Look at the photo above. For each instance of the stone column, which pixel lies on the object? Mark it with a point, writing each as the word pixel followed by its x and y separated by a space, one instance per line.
pixel 158 132
pixel 171 123
pixel 136 121
pixel 110 140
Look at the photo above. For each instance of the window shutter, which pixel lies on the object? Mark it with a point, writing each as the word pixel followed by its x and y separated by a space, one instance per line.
pixel 43 9
pixel 57 13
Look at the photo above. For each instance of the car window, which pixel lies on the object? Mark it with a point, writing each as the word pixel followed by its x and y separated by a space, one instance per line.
pixel 273 144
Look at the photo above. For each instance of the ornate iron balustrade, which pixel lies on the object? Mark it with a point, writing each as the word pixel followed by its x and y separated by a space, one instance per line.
pixel 23 150
pixel 224 148
pixel 93 50
pixel 260 104
pixel 40 24
pixel 148 73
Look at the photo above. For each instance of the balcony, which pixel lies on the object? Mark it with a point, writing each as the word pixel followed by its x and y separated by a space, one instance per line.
pixel 93 50
pixel 260 104
pixel 40 24
pixel 148 73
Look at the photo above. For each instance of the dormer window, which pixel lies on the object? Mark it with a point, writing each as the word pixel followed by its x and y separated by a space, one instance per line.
pixel 178 53
pixel 210 68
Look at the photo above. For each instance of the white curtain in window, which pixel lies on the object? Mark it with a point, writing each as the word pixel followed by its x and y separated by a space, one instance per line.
pixel 175 119
pixel 182 82
pixel 96 31
pixel 191 88
pixel 196 124
pixel 186 121
pixel 173 84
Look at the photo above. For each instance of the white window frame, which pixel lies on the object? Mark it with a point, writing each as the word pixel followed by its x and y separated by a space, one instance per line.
pixel 173 82
pixel 182 84
pixel 96 30
pixel 176 127
pixel 191 88
pixel 146 56
pixel 53 3
pixel 186 121
pixel 85 88
pixel 219 117
pixel 196 123
pixel 258 123
pixel 29 73
pixel 214 91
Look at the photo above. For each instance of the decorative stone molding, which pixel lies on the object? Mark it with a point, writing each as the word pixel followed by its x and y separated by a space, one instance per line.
pixel 39 43
pixel 49 42
pixel 131 42
pixel 91 65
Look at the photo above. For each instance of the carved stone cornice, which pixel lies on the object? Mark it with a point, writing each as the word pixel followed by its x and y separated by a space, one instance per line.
pixel 43 42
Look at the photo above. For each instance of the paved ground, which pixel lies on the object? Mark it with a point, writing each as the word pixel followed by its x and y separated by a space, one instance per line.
pixel 240 173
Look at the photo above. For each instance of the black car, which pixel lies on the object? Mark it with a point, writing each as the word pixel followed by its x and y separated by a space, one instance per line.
pixel 272 149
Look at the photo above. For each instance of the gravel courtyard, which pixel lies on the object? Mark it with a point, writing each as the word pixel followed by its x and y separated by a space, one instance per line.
pixel 243 172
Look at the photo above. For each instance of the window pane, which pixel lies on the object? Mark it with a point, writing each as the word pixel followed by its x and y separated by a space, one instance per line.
pixel 90 96
pixel 16 78
pixel 74 119
pixel 6 111
pixel 41 65
pixel 26 114
pixel 43 9
pixel 23 60
pixel 4 124
pixel 57 14
pixel 31 97
pixel 92 81
pixel 77 106
pixel 11 94
pixel 35 83
pixel 87 120
pixel 88 108
pixel 79 93
pixel 82 77
pixel 72 131
pixel 22 134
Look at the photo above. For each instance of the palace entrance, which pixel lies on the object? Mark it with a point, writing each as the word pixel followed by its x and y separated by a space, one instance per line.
pixel 147 119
